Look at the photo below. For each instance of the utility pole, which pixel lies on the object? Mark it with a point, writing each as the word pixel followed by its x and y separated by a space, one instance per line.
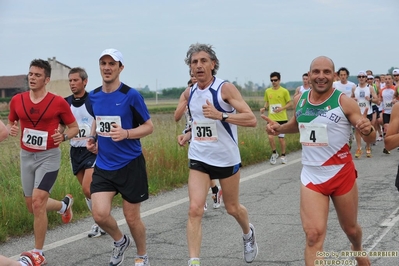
pixel 156 91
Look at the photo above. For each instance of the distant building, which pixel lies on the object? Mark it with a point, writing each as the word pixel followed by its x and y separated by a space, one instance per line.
pixel 59 71
pixel 59 83
pixel 11 85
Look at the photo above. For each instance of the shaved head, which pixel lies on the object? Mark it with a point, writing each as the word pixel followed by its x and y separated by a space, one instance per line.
pixel 321 74
pixel 322 59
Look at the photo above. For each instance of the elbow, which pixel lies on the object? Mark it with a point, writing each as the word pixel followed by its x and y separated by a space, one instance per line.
pixel 253 122
pixel 3 135
pixel 150 129
pixel 177 119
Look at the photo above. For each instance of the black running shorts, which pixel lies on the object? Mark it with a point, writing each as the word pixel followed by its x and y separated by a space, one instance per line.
pixel 130 181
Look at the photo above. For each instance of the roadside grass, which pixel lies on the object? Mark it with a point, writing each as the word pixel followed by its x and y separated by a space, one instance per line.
pixel 166 167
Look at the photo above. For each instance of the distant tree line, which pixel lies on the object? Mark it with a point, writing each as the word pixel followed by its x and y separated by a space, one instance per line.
pixel 248 89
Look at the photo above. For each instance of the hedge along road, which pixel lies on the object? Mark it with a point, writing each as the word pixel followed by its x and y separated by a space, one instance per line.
pixel 271 195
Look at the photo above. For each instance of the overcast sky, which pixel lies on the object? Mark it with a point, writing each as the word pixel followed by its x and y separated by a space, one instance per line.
pixel 252 38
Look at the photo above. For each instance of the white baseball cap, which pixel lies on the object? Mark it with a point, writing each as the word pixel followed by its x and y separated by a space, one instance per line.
pixel 362 73
pixel 115 54
pixel 370 77
pixel 395 71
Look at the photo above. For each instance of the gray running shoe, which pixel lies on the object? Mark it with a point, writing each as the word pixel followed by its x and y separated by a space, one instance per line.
pixel 250 247
pixel 96 231
pixel 118 253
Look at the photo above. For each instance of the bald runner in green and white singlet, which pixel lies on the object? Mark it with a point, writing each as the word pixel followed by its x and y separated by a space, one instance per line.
pixel 324 133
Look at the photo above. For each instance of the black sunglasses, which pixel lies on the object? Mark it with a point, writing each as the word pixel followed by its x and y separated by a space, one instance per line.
pixel 362 76
pixel 274 80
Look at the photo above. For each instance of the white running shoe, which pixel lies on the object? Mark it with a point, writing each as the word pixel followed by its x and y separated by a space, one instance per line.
pixel 250 247
pixel 273 158
pixel 118 252
pixel 141 261
pixel 217 198
pixel 206 206
pixel 283 159
pixel 193 262
pixel 96 231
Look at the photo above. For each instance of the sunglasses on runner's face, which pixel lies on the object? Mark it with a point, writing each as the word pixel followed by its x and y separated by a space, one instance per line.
pixel 369 79
pixel 362 77
pixel 274 80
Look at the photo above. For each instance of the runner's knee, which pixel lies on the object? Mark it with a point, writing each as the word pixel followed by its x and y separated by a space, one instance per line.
pixel 313 236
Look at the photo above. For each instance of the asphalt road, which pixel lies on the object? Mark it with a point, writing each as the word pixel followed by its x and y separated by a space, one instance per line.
pixel 271 195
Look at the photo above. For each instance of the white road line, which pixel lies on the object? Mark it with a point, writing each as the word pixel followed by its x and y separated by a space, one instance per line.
pixel 380 233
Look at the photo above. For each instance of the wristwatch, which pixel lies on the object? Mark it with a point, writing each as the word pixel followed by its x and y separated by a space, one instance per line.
pixel 65 137
pixel 224 116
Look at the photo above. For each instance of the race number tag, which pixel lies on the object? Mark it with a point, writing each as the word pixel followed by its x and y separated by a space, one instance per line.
pixel 313 134
pixel 205 131
pixel 104 124
pixel 273 107
pixel 362 104
pixel 35 139
pixel 388 105
pixel 84 132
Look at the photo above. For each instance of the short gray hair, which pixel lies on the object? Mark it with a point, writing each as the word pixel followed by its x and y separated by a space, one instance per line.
pixel 81 71
pixel 199 47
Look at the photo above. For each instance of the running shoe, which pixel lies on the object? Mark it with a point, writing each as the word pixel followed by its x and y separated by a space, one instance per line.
pixel 206 206
pixel 379 138
pixel 386 151
pixel 30 258
pixel 118 252
pixel 142 261
pixel 273 158
pixel 96 231
pixel 358 153
pixel 217 198
pixel 368 153
pixel 193 262
pixel 250 247
pixel 283 159
pixel 68 214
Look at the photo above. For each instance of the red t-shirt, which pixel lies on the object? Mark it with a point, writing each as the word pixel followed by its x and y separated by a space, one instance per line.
pixel 39 121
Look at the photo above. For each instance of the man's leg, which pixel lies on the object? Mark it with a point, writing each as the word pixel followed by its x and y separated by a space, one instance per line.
pixel 230 187
pixel 358 138
pixel 272 143
pixel 136 225
pixel 101 210
pixel 87 177
pixel 198 187
pixel 282 145
pixel 347 208
pixel 314 215
pixel 37 204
